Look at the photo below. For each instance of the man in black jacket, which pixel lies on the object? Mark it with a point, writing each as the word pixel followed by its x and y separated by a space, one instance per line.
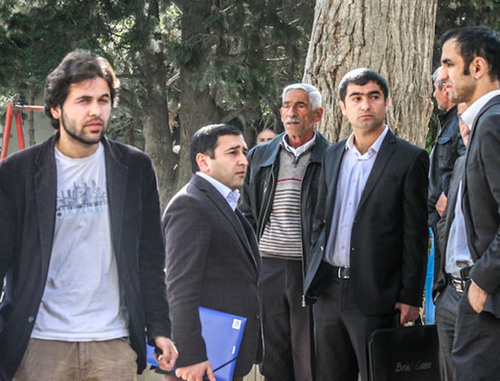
pixel 369 243
pixel 448 147
pixel 278 198
pixel 471 64
pixel 81 246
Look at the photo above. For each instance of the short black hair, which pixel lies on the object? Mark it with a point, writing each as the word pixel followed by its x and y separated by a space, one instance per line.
pixel 77 66
pixel 477 41
pixel 361 77
pixel 205 141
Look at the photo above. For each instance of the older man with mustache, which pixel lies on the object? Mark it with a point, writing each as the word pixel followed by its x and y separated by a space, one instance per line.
pixel 278 198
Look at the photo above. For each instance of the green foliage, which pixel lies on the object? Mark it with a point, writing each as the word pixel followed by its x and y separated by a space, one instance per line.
pixel 453 14
pixel 247 52
pixel 254 47
pixel 37 34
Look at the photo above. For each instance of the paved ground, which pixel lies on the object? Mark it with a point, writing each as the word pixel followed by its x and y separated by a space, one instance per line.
pixel 148 375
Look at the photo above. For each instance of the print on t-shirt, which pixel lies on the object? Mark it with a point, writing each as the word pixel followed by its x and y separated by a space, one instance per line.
pixel 81 198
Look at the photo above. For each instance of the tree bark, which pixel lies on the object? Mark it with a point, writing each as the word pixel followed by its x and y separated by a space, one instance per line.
pixel 153 101
pixel 159 147
pixel 198 107
pixel 394 37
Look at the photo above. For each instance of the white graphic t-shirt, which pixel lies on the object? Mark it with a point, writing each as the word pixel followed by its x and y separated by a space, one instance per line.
pixel 81 300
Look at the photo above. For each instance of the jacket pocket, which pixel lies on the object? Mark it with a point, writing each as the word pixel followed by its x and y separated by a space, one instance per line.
pixel 445 152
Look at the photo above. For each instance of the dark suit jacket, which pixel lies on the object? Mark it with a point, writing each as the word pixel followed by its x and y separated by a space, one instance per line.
pixel 212 261
pixel 389 236
pixel 481 201
pixel 27 220
pixel 444 226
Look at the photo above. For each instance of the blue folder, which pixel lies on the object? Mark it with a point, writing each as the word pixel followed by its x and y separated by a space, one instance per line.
pixel 222 333
pixel 429 281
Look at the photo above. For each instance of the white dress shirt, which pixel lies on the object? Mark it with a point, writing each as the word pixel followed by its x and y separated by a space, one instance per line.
pixel 469 115
pixel 354 172
pixel 299 150
pixel 229 195
pixel 457 251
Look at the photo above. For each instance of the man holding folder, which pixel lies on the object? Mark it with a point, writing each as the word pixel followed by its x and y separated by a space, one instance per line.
pixel 211 252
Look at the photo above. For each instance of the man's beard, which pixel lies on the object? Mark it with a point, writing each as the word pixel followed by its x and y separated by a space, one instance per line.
pixel 71 130
pixel 463 93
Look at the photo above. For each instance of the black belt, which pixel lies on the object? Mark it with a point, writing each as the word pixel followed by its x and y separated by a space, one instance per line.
pixel 459 283
pixel 464 273
pixel 338 272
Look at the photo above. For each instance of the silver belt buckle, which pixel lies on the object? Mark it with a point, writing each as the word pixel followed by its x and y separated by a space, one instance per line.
pixel 343 276
pixel 458 284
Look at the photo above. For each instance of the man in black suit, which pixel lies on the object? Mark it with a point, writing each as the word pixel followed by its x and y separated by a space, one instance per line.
pixel 212 253
pixel 471 64
pixel 370 232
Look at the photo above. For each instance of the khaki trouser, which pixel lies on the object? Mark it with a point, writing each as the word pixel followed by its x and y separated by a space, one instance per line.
pixel 51 360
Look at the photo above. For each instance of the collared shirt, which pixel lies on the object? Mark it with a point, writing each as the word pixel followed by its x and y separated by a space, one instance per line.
pixel 470 114
pixel 299 150
pixel 229 195
pixel 457 250
pixel 354 172
pixel 457 253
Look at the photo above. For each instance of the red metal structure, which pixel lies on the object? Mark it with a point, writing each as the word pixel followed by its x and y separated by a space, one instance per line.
pixel 14 110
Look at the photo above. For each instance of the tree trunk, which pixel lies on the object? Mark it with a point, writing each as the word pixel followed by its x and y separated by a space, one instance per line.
pixel 153 102
pixel 394 37
pixel 159 147
pixel 198 108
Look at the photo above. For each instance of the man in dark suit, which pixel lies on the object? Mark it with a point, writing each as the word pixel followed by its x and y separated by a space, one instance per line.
pixel 212 253
pixel 370 232
pixel 452 267
pixel 471 64
pixel 81 245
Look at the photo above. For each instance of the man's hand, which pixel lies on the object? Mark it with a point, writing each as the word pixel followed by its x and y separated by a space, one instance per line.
pixel 196 372
pixel 477 297
pixel 408 313
pixel 441 204
pixel 169 353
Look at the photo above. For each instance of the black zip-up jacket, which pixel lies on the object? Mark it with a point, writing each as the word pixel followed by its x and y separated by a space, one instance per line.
pixel 448 148
pixel 257 194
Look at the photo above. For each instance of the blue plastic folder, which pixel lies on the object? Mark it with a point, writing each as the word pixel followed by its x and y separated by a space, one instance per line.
pixel 429 280
pixel 222 333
